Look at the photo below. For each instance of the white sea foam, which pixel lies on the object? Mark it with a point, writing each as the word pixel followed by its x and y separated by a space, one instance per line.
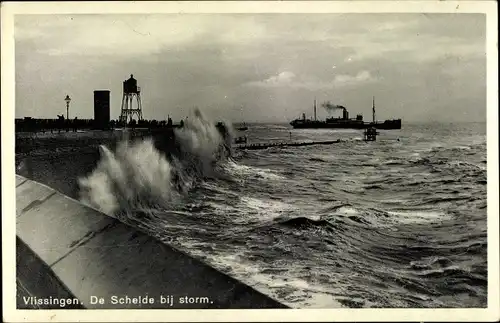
pixel 418 216
pixel 264 208
pixel 300 292
pixel 264 173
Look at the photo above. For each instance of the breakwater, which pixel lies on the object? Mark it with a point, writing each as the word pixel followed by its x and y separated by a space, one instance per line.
pixel 266 145
pixel 68 250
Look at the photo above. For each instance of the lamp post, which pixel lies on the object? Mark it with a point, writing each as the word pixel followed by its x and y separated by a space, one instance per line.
pixel 68 100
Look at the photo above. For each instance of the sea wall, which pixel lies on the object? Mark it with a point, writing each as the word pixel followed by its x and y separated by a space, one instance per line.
pixel 66 249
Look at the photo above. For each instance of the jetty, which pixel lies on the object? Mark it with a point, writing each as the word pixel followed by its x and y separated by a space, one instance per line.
pixel 256 146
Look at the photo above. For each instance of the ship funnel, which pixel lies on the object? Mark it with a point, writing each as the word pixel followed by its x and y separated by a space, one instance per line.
pixel 345 114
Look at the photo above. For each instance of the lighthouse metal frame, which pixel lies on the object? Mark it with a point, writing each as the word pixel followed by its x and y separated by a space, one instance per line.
pixel 131 91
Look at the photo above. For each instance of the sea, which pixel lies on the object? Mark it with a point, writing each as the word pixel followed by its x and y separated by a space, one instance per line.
pixel 398 222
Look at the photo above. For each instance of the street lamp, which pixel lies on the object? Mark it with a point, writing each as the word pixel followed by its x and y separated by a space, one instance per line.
pixel 68 100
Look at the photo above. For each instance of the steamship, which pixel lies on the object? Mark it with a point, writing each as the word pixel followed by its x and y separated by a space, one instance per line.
pixel 345 122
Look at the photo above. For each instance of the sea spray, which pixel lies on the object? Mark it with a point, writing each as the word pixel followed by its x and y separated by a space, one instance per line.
pixel 201 145
pixel 137 176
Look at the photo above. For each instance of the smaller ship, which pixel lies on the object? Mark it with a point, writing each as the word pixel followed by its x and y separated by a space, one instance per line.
pixel 370 134
pixel 344 122
pixel 243 127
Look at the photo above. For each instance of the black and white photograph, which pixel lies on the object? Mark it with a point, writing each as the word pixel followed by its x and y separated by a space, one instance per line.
pixel 251 159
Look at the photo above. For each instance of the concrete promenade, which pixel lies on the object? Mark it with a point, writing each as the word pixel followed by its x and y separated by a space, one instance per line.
pixel 68 250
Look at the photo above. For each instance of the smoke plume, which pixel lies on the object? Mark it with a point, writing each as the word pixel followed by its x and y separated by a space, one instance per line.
pixel 330 107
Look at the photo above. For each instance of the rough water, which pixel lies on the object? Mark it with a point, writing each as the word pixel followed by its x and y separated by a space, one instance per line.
pixel 400 222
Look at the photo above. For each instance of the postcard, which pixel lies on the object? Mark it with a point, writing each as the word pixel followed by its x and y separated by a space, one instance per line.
pixel 250 161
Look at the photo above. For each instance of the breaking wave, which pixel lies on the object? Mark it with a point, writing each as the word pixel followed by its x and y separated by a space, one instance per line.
pixel 136 176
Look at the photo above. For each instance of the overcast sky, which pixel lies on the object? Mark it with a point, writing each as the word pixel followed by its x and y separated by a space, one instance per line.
pixel 255 67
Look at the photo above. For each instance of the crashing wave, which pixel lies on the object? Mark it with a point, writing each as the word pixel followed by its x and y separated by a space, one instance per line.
pixel 138 176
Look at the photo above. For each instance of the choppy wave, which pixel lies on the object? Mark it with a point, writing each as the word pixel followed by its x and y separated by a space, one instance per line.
pixel 382 224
